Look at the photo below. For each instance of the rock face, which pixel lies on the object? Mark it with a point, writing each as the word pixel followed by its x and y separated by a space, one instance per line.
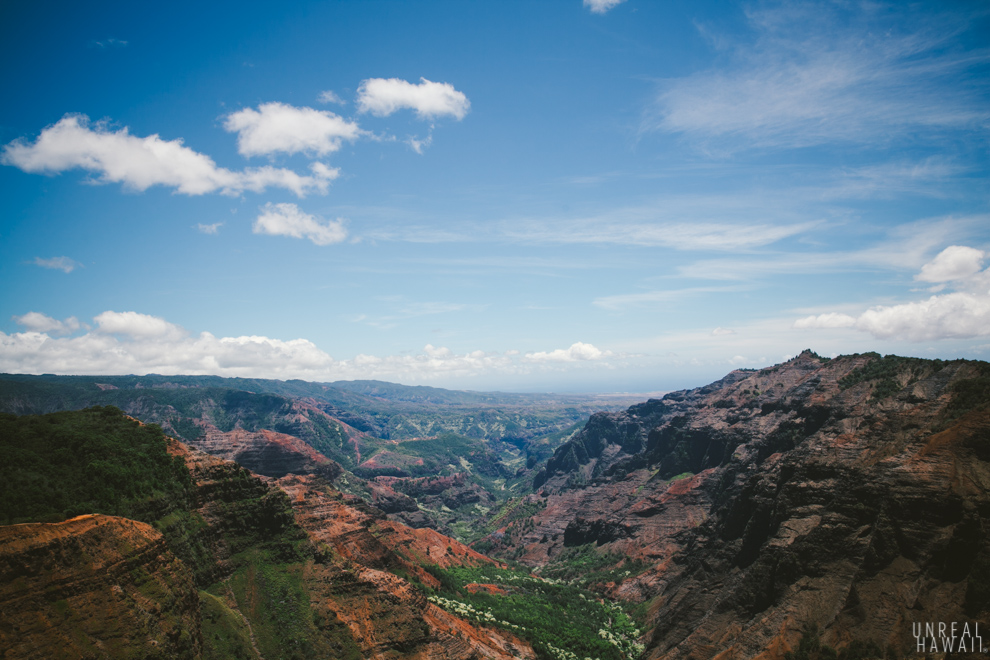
pixel 265 452
pixel 354 579
pixel 851 494
pixel 94 587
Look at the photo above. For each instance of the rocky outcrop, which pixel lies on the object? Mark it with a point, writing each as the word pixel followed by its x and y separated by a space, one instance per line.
pixel 94 587
pixel 353 579
pixel 849 495
pixel 265 452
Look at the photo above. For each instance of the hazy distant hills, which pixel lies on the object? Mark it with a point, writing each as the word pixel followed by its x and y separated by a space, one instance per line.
pixel 369 404
pixel 372 429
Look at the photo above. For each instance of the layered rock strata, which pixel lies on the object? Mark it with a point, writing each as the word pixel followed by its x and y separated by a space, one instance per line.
pixel 354 576
pixel 94 587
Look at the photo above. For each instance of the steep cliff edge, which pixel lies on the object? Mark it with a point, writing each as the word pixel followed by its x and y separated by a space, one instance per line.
pixel 848 494
pixel 225 565
pixel 94 587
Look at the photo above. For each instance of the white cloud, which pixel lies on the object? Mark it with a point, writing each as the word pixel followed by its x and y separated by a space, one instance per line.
pixel 953 315
pixel 384 96
pixel 139 163
pixel 133 324
pixel 108 43
pixel 905 247
pixel 289 220
pixel 957 315
pixel 38 322
pixel 418 145
pixel 601 6
pixel 956 262
pixel 720 332
pixel 280 128
pixel 140 344
pixel 134 343
pixel 620 301
pixel 577 351
pixel 209 229
pixel 678 235
pixel 329 96
pixel 827 320
pixel 57 263
pixel 821 72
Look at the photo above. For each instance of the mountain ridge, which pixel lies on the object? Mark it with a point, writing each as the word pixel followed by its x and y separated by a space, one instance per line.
pixel 846 495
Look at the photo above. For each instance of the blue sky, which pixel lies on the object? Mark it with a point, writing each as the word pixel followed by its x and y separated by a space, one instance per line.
pixel 567 196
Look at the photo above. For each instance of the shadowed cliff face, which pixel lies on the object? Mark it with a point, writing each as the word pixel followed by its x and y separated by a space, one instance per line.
pixel 851 494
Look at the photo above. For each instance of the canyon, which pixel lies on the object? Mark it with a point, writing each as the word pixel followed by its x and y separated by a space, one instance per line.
pixel 817 504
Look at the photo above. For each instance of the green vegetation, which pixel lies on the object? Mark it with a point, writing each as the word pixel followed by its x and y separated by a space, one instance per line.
pixel 888 372
pixel 885 371
pixel 811 647
pixel 95 461
pixel 969 394
pixel 225 632
pixel 586 566
pixel 271 593
pixel 59 465
pixel 560 620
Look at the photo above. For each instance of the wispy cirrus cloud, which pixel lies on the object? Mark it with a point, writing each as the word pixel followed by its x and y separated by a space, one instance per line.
pixel 64 264
pixel 677 235
pixel 385 96
pixel 817 73
pixel 212 229
pixel 601 6
pixel 905 247
pixel 110 42
pixel 329 96
pixel 622 301
pixel 400 308
pixel 140 163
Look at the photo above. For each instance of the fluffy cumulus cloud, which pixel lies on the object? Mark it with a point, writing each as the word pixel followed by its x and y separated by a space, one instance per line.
pixel 130 342
pixel 956 262
pixel 960 314
pixel 64 264
pixel 289 220
pixel 384 96
pixel 601 6
pixel 280 128
pixel 134 343
pixel 135 325
pixel 141 162
pixel 578 351
pixel 38 322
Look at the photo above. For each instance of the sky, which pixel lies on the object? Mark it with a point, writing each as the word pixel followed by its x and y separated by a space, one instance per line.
pixel 569 196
